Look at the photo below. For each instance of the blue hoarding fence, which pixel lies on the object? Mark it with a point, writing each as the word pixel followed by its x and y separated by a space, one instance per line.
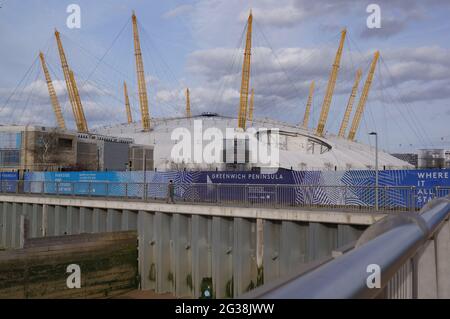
pixel 8 182
pixel 427 183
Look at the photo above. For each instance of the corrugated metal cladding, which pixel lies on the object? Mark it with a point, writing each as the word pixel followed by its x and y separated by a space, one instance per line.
pixel 115 156
pixel 87 157
pixel 137 158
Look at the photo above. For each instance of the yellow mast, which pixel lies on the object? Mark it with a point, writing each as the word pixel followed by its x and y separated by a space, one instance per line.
pixel 77 108
pixel 52 93
pixel 330 87
pixel 142 87
pixel 188 103
pixel 83 124
pixel 363 98
pixel 252 105
pixel 243 101
pixel 351 99
pixel 127 103
pixel 308 106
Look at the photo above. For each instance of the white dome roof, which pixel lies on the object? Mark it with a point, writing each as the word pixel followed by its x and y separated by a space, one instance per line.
pixel 300 149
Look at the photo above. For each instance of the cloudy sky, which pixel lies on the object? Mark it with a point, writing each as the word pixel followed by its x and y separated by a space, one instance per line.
pixel 198 44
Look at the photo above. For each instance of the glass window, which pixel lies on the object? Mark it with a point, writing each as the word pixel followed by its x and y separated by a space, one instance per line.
pixel 9 157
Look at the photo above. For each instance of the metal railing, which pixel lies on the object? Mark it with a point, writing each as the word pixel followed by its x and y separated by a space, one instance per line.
pixel 360 198
pixel 401 256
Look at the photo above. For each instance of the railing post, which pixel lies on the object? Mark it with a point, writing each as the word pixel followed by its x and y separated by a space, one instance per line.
pixel 247 202
pixel 308 196
pixel 106 189
pixel 126 190
pixel 345 195
pixel 216 188
pixel 276 195
pixel 217 192
pixel 57 188
pixel 89 189
pixel 376 198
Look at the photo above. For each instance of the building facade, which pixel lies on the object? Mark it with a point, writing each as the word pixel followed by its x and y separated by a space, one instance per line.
pixel 38 148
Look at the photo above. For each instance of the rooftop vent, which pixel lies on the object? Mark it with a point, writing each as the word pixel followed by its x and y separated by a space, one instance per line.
pixel 209 114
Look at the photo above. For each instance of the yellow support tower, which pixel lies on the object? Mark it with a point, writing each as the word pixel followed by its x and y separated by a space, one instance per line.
pixel 363 99
pixel 350 102
pixel 142 86
pixel 252 105
pixel 308 106
pixel 127 103
pixel 188 103
pixel 330 87
pixel 52 93
pixel 83 124
pixel 243 101
pixel 76 109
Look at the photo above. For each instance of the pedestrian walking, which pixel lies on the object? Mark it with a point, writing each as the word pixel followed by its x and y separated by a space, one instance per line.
pixel 170 192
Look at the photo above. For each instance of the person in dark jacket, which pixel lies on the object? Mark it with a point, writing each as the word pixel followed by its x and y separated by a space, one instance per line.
pixel 170 192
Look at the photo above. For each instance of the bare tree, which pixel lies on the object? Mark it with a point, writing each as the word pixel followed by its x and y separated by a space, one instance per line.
pixel 46 150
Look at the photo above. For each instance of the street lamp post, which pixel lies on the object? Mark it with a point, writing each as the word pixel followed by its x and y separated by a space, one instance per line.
pixel 376 168
pixel 144 168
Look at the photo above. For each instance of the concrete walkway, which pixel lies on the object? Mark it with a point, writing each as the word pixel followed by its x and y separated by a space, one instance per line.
pixel 320 215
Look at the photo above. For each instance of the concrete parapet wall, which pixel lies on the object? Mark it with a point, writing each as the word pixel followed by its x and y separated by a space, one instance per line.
pixel 193 250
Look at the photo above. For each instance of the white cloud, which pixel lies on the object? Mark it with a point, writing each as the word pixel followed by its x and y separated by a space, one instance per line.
pixel 281 78
pixel 285 16
pixel 31 104
pixel 152 80
pixel 404 64
pixel 169 95
pixel 179 10
pixel 38 91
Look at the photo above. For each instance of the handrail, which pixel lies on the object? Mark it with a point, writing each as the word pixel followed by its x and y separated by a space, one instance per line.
pixel 5 181
pixel 351 197
pixel 346 276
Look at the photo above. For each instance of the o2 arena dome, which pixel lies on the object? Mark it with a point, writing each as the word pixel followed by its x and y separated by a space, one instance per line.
pixel 295 147
pixel 299 149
